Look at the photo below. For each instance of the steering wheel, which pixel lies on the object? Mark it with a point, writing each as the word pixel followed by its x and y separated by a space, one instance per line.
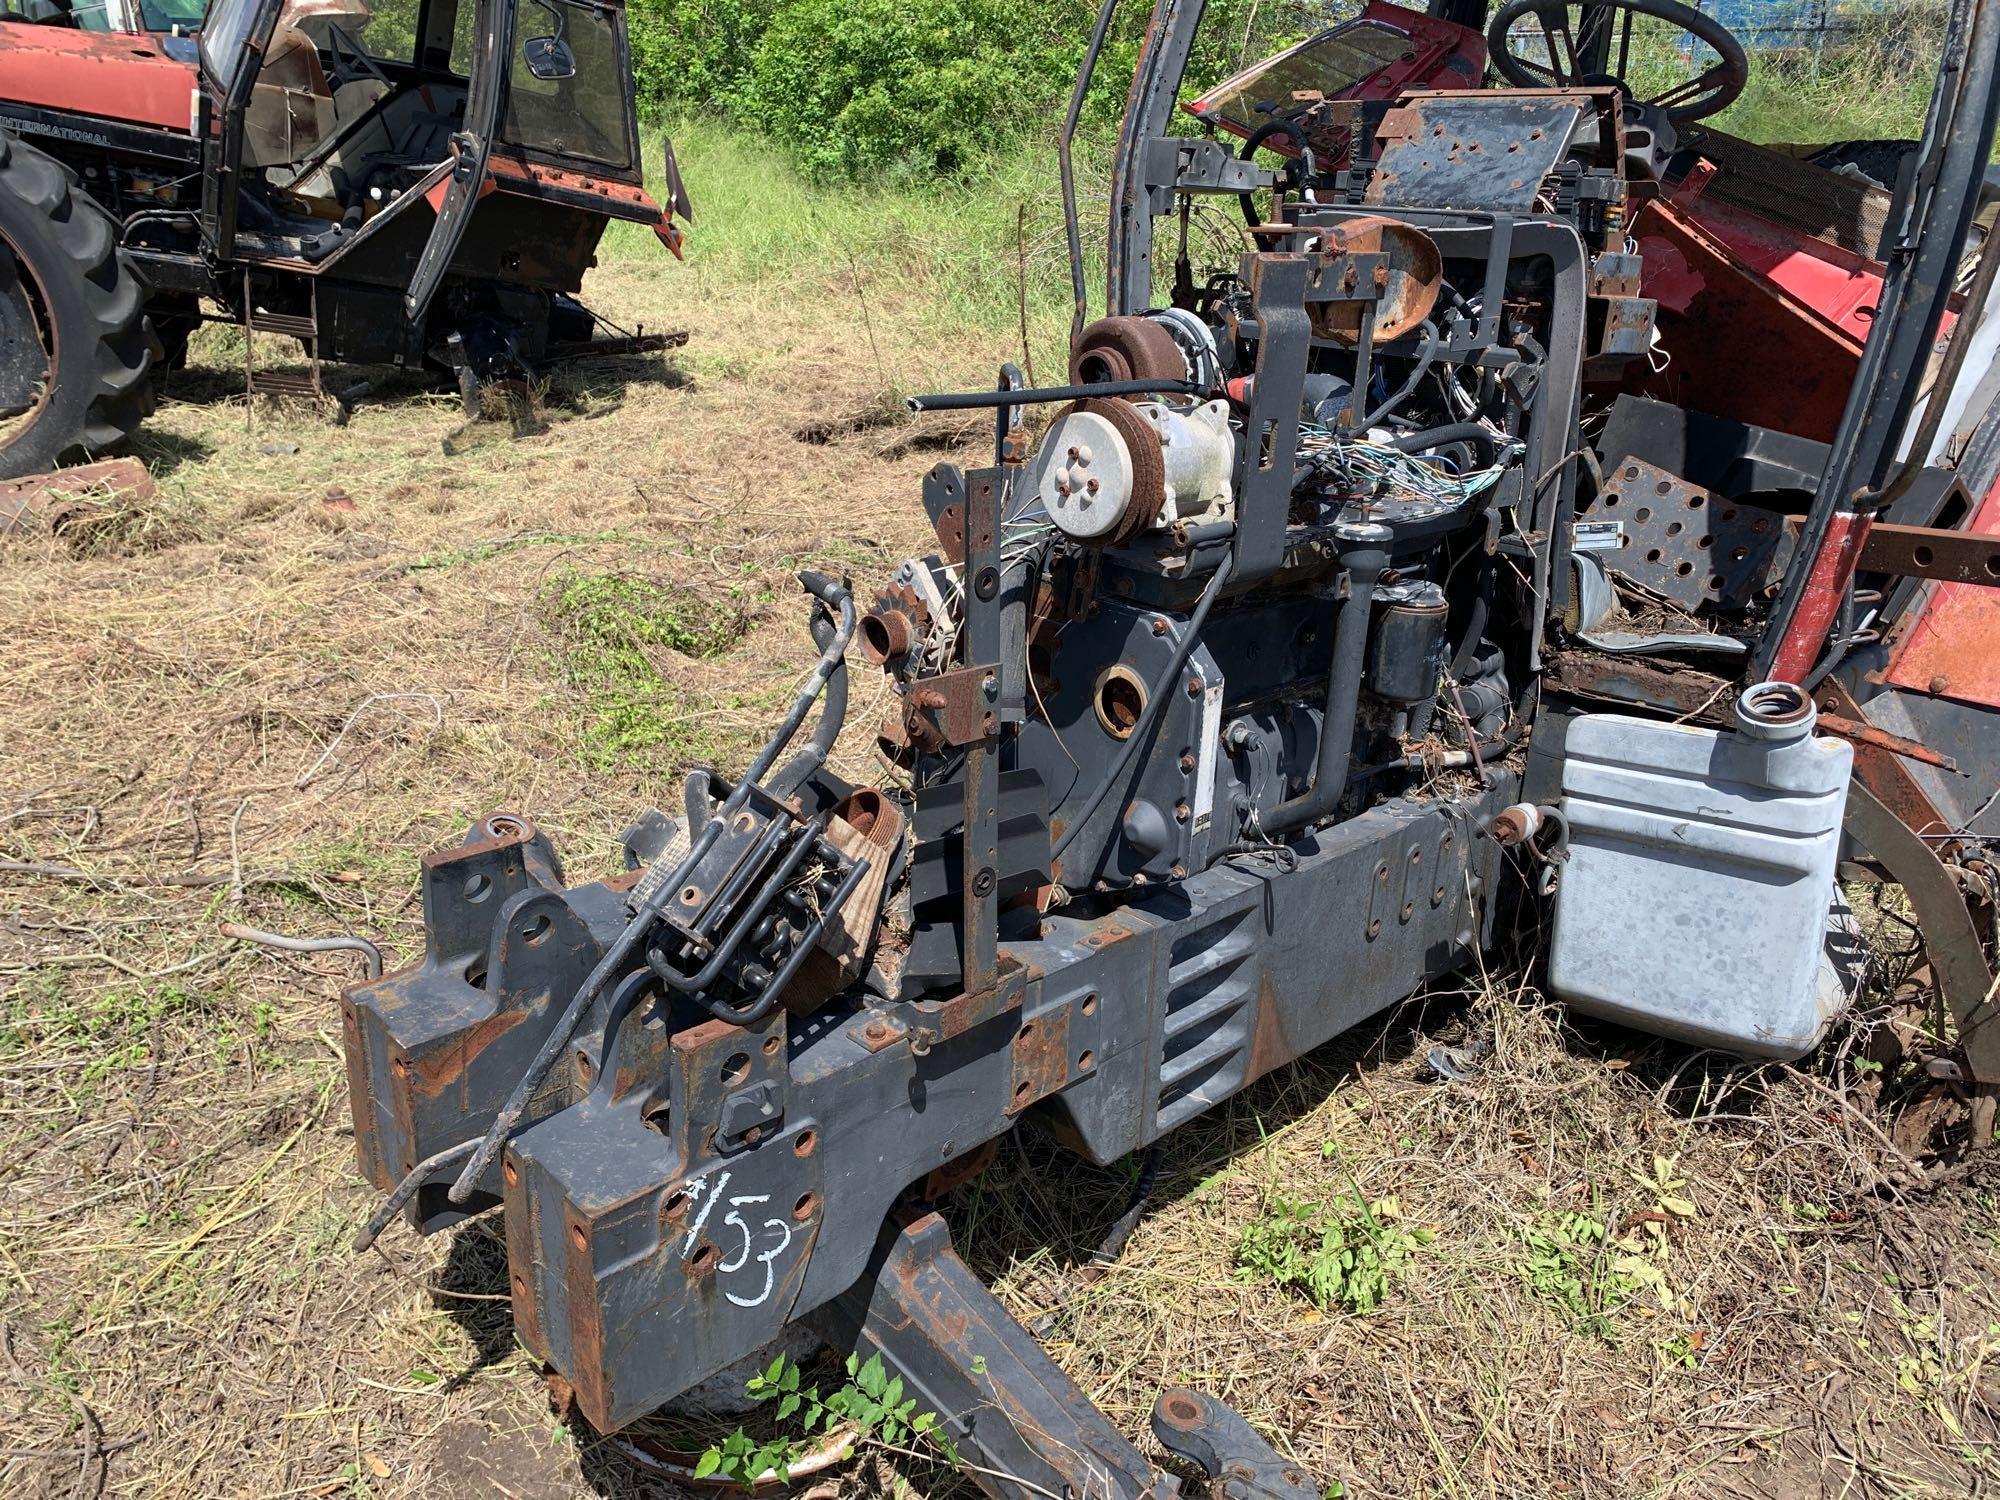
pixel 1713 89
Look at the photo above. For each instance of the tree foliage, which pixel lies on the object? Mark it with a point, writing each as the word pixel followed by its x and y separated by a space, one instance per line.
pixel 856 87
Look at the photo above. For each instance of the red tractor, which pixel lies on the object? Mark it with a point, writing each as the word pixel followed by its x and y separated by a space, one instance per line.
pixel 419 184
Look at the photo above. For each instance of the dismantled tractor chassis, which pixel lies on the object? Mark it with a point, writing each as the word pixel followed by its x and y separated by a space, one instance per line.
pixel 1520 520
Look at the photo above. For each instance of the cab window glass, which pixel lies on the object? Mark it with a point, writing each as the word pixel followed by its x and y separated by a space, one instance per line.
pixel 584 114
pixel 385 30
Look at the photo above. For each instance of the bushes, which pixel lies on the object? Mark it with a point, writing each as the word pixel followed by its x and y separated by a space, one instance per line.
pixel 862 85
pixel 922 86
pixel 694 55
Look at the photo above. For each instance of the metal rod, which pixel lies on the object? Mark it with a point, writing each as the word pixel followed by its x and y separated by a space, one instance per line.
pixel 371 956
pixel 1066 165
pixel 775 990
pixel 711 971
pixel 406 1190
pixel 1043 395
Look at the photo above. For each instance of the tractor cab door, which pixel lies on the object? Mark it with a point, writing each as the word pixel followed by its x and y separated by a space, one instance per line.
pixel 233 38
pixel 492 44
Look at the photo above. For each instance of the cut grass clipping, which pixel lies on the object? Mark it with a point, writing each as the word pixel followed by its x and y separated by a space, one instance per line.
pixel 615 636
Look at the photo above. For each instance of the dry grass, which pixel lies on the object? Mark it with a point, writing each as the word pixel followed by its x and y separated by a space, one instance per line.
pixel 252 704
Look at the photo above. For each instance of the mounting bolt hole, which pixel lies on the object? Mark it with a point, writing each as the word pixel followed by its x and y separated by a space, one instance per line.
pixel 578 1238
pixel 1090 1004
pixel 736 1069
pixel 1086 1061
pixel 537 932
pixel 477 888
pixel 806 1143
pixel 806 1207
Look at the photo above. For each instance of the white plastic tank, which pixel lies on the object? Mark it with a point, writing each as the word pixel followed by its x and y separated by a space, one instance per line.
pixel 1694 902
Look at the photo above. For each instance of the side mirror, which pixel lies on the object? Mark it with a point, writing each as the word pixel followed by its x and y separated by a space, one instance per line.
pixel 549 58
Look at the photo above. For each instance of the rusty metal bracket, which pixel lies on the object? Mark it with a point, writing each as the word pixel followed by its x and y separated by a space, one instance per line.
pixel 961 705
pixel 1024 1428
pixel 1933 553
pixel 1239 1464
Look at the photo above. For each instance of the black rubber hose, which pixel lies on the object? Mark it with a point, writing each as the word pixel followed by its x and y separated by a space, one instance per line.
pixel 1364 566
pixel 1477 619
pixel 622 947
pixel 1106 1254
pixel 1453 432
pixel 833 707
pixel 1149 716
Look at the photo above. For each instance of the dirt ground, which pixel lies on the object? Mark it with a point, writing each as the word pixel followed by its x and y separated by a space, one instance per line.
pixel 323 650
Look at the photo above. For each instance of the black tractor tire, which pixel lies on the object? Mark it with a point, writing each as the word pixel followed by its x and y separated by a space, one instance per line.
pixel 93 311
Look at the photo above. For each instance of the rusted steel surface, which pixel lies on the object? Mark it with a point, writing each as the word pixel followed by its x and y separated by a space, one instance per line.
pixel 1881 739
pixel 1219 1442
pixel 1407 274
pixel 56 500
pixel 1934 553
pixel 964 1357
pixel 1593 674
pixel 1041 1054
pixel 1451 147
pixel 1944 643
pixel 1951 937
pixel 947 1019
pixel 1876 767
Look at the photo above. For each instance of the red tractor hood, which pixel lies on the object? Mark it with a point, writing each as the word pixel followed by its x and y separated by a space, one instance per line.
pixel 111 77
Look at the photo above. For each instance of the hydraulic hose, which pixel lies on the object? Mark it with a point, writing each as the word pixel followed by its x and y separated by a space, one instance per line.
pixel 1452 432
pixel 1365 565
pixel 833 709
pixel 618 956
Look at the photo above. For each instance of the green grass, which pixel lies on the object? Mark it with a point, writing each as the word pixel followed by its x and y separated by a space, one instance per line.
pixel 1876 86
pixel 613 633
pixel 963 250
pixel 951 253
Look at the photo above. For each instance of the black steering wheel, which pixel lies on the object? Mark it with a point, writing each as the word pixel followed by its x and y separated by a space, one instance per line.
pixel 1569 41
